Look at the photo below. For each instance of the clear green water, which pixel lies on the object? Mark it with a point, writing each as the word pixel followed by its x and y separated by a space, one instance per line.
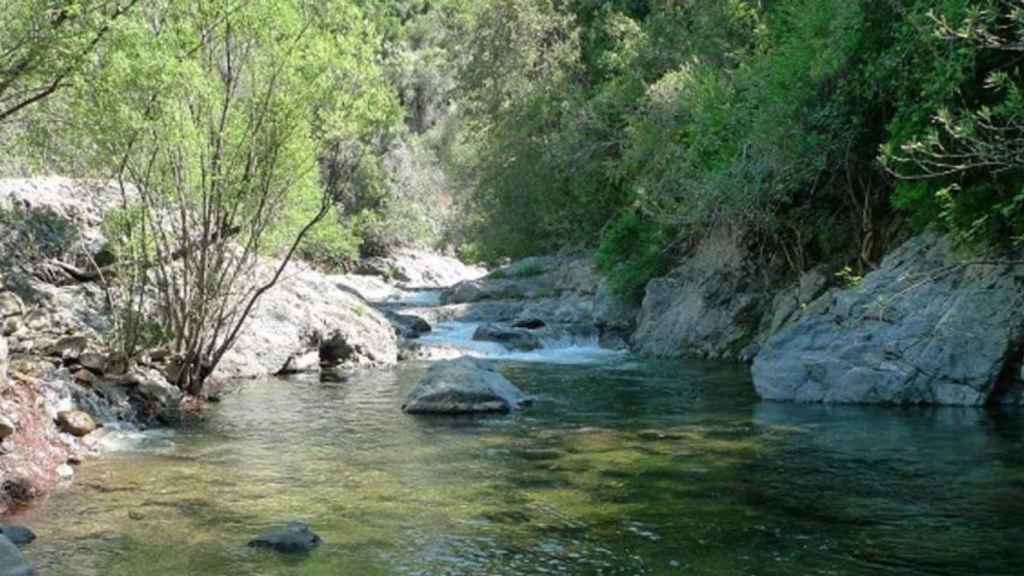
pixel 629 468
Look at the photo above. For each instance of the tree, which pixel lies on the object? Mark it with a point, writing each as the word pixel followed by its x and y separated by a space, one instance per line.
pixel 45 45
pixel 214 119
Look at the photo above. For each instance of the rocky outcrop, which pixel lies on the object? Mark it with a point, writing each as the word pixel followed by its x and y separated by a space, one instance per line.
pixel 419 269
pixel 293 538
pixel 463 386
pixel 709 306
pixel 305 312
pixel 925 328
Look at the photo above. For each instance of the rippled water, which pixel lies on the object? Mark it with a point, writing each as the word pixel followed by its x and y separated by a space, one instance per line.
pixel 619 468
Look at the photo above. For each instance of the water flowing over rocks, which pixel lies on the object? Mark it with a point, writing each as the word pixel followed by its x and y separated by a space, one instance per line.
pixel 536 299
pixel 922 329
pixel 463 386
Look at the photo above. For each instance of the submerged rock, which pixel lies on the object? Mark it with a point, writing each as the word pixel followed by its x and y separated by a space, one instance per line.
pixel 463 386
pixel 922 329
pixel 12 563
pixel 294 538
pixel 75 422
pixel 17 534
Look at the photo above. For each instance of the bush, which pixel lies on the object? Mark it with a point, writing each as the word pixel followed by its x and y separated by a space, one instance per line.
pixel 631 253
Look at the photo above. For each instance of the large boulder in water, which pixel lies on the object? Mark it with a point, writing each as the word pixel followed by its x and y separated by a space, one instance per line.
pixel 463 386
pixel 294 538
pixel 925 328
pixel 12 563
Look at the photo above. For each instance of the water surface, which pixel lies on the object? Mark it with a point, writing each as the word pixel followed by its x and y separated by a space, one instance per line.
pixel 621 467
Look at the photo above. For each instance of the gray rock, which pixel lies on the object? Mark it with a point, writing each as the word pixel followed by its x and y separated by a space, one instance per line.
pixel 10 305
pixel 75 422
pixel 19 535
pixel 308 309
pixel 420 269
pixel 408 325
pixel 463 386
pixel 294 538
pixel 93 361
pixel 529 278
pixel 710 306
pixel 612 312
pixel 919 330
pixel 511 338
pixel 161 399
pixel 12 563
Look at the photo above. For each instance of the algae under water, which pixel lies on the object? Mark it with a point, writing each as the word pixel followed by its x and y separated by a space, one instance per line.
pixel 625 467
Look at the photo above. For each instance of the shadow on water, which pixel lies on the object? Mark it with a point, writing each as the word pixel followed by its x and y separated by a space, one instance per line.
pixel 620 468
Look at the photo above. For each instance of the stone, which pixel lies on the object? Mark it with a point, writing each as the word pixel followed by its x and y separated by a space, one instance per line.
pixel 159 399
pixel 710 306
pixel 529 324
pixel 293 538
pixel 65 471
pixel 611 311
pixel 306 309
pixel 69 348
pixel 10 305
pixel 412 268
pixel 12 563
pixel 408 326
pixel 93 361
pixel 512 338
pixel 86 377
pixel 463 386
pixel 7 427
pixel 919 330
pixel 75 422
pixel 19 535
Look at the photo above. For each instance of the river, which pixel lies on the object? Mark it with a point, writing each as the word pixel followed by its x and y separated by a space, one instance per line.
pixel 621 467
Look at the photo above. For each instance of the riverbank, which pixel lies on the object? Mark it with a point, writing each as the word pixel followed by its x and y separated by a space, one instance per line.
pixel 56 329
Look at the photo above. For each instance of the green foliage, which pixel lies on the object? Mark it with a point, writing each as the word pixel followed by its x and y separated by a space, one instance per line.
pixel 630 254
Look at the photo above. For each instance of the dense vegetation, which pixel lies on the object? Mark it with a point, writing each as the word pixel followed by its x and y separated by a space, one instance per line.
pixel 813 130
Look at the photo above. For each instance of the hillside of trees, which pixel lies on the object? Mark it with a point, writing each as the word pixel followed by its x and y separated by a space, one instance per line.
pixel 814 129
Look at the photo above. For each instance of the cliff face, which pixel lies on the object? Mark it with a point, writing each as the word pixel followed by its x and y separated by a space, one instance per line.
pixel 927 327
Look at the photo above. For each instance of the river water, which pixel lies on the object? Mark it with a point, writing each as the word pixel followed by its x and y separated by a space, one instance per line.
pixel 621 467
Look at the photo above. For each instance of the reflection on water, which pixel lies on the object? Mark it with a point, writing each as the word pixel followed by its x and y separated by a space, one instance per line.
pixel 625 468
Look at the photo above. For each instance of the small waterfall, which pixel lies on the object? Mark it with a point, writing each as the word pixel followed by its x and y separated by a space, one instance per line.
pixel 562 348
